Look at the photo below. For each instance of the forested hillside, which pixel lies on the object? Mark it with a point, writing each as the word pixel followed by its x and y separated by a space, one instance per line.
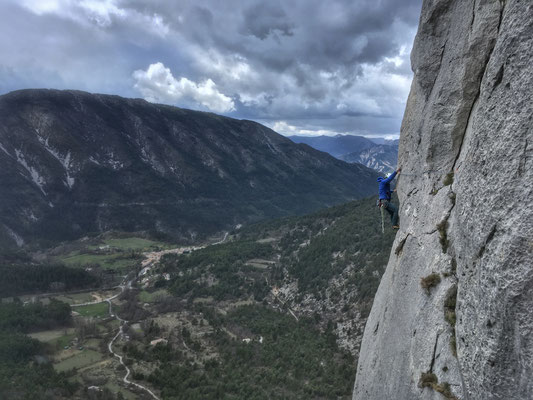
pixel 275 310
pixel 79 163
pixel 24 372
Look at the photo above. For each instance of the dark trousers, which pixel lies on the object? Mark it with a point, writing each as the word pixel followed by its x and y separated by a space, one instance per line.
pixel 392 209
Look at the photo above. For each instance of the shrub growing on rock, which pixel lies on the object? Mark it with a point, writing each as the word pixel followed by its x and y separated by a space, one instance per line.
pixel 448 179
pixel 430 380
pixel 430 281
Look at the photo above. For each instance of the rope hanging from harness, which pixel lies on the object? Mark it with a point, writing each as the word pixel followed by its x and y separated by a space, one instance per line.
pixel 382 217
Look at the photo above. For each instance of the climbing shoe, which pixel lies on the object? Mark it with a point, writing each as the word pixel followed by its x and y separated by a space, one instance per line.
pixel 395 227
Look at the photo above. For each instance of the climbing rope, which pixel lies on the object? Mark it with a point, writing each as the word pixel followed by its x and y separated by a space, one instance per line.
pixel 382 219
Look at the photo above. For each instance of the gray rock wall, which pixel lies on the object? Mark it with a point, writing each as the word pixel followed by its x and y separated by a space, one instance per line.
pixel 468 120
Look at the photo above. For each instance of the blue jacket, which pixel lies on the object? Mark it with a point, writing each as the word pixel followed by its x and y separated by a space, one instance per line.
pixel 384 187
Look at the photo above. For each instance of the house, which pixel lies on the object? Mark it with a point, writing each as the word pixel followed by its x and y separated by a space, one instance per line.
pixel 157 341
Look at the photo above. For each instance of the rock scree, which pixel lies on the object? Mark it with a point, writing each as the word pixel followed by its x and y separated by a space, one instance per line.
pixel 466 212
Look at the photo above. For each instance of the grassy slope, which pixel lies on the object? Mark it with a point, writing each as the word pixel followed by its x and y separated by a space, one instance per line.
pixel 115 254
pixel 99 310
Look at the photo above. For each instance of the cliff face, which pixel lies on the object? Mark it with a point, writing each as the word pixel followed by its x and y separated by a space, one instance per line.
pixel 466 150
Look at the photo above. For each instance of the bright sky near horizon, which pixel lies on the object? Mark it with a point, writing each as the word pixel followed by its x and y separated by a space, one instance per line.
pixel 306 67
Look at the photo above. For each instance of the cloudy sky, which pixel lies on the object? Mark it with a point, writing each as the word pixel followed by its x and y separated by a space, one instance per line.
pixel 299 66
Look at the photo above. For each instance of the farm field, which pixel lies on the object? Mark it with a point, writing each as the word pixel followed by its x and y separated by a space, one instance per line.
pixel 58 336
pixel 136 243
pixel 115 254
pixel 99 310
pixel 113 261
pixel 80 359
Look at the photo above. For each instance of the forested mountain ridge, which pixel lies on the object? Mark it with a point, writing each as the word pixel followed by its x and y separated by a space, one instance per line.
pixel 76 162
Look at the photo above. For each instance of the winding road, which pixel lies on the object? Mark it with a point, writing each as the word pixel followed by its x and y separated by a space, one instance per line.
pixel 151 258
pixel 124 286
pixel 120 358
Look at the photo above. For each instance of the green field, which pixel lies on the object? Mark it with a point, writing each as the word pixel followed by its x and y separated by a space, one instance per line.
pixel 63 340
pixel 116 254
pixel 151 297
pixel 135 243
pixel 80 359
pixel 115 261
pixel 93 310
pixel 91 344
pixel 64 335
pixel 75 298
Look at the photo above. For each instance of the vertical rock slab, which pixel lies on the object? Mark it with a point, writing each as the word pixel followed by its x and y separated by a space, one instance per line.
pixel 466 215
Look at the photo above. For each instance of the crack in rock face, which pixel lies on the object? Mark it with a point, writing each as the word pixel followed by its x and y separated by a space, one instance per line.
pixel 469 113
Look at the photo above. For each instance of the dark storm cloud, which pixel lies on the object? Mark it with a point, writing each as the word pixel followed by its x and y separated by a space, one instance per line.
pixel 266 19
pixel 315 32
pixel 339 66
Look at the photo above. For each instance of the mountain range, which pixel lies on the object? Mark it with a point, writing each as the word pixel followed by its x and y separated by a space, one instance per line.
pixel 379 154
pixel 75 163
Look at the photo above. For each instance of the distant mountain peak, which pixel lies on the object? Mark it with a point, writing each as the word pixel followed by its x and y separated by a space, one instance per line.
pixel 356 149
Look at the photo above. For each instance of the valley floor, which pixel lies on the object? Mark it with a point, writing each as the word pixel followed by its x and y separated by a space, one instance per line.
pixel 270 312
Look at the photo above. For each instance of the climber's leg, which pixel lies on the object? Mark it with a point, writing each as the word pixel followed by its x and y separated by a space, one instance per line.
pixel 392 209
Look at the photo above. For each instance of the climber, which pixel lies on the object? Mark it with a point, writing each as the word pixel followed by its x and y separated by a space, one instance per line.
pixel 385 195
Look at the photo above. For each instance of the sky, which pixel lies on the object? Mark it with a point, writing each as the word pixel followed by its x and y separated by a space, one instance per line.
pixel 301 67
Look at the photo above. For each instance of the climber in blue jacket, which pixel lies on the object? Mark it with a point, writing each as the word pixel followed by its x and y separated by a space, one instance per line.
pixel 385 195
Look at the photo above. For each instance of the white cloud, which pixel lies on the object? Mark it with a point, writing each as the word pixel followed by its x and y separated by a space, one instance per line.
pixel 230 67
pixel 44 6
pixel 234 71
pixel 157 84
pixel 100 13
pixel 392 137
pixel 320 67
pixel 286 129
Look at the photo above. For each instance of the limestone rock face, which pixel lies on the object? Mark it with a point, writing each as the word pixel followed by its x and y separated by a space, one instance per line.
pixel 466 212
